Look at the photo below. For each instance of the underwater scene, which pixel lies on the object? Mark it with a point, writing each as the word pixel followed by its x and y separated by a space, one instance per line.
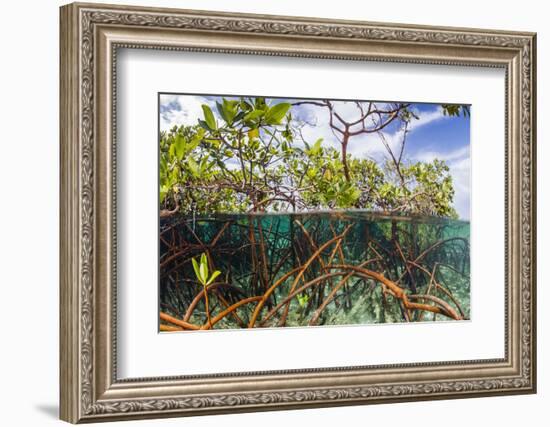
pixel 314 269
pixel 280 212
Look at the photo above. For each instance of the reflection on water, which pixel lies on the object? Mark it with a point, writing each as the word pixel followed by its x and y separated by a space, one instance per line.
pixel 313 269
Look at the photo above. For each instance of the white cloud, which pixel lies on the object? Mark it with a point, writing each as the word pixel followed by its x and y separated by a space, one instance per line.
pixel 426 117
pixel 362 145
pixel 318 119
pixel 185 110
pixel 460 170
pixel 458 154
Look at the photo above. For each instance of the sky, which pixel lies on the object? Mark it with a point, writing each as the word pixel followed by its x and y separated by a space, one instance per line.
pixel 432 136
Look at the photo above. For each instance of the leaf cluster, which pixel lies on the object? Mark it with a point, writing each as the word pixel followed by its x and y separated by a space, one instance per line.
pixel 248 158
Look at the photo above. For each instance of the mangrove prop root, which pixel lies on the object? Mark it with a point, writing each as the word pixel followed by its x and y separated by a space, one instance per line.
pixel 265 268
pixel 168 328
pixel 438 285
pixel 229 310
pixel 446 308
pixel 316 254
pixel 399 293
pixel 200 295
pixel 234 314
pixel 178 322
pixel 333 293
pixel 293 294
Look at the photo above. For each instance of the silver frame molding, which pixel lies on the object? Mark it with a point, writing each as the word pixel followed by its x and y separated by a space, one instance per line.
pixel 90 37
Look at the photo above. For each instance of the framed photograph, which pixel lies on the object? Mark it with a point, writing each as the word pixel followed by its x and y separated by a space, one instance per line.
pixel 267 212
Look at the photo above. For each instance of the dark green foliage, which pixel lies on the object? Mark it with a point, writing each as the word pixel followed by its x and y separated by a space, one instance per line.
pixel 456 110
pixel 251 162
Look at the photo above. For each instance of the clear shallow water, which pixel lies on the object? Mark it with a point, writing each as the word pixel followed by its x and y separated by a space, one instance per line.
pixel 314 269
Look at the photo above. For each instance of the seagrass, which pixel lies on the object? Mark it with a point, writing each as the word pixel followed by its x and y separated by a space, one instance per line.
pixel 89 39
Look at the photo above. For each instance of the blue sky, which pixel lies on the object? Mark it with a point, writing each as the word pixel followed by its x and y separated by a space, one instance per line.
pixel 432 136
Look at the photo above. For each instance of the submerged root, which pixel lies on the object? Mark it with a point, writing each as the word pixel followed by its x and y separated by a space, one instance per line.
pixel 308 278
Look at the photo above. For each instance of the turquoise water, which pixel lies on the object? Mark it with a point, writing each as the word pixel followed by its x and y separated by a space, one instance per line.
pixel 315 269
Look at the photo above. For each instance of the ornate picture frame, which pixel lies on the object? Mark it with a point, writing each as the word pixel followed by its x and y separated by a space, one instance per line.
pixel 90 37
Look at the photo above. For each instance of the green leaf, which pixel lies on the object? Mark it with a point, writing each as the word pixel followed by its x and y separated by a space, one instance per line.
pixel 316 149
pixel 204 268
pixel 239 116
pixel 174 175
pixel 163 167
pixel 302 300
pixel 197 269
pixel 276 113
pixel 179 146
pixel 227 110
pixel 230 109
pixel 172 151
pixel 163 193
pixel 203 124
pixel 245 106
pixel 209 117
pixel 195 141
pixel 221 111
pixel 259 103
pixel 205 165
pixel 214 275
pixel 253 133
pixel 311 172
pixel 317 146
pixel 193 166
pixel 253 115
